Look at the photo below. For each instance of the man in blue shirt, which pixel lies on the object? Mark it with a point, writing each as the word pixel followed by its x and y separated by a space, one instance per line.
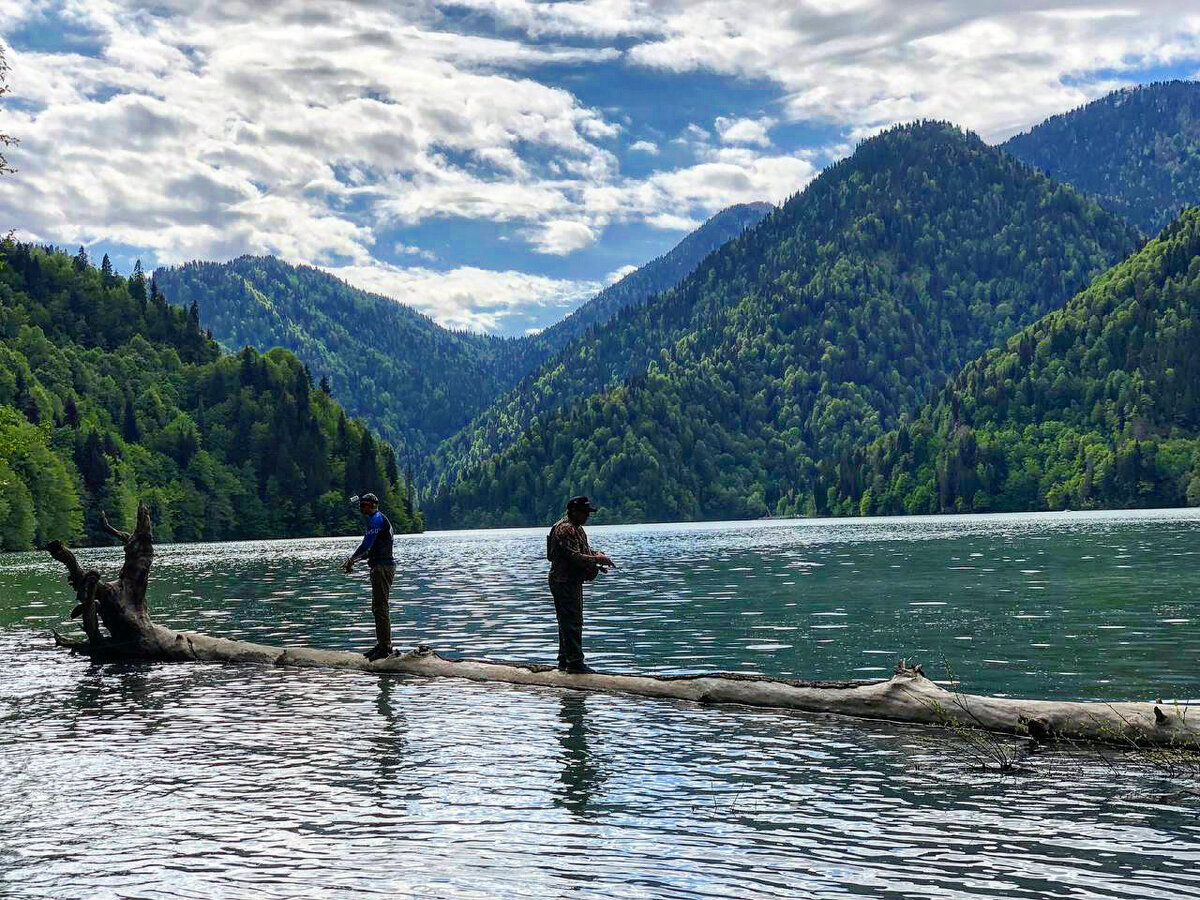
pixel 376 548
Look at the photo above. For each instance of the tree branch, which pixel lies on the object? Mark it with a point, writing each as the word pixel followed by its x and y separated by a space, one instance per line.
pixel 122 536
pixel 74 572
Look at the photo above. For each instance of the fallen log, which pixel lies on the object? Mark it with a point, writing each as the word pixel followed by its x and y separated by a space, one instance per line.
pixel 907 696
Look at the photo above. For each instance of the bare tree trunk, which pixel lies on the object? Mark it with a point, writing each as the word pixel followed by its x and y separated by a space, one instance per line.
pixel 908 696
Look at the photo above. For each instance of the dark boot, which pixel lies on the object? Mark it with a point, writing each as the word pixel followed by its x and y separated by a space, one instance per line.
pixel 578 669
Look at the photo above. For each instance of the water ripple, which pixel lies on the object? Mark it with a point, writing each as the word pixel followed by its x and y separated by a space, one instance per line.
pixel 218 781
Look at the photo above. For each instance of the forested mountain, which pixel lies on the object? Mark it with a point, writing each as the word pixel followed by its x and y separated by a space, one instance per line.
pixel 807 335
pixel 1094 406
pixel 656 276
pixel 1136 150
pixel 108 394
pixel 409 378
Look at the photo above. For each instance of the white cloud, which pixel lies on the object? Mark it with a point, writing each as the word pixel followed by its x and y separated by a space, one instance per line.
pixel 617 274
pixel 562 236
pixel 672 222
pixel 644 147
pixel 210 131
pixel 994 65
pixel 402 249
pixel 470 297
pixel 745 131
pixel 589 18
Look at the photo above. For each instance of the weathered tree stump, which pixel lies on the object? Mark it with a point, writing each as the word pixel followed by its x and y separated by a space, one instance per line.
pixel 908 696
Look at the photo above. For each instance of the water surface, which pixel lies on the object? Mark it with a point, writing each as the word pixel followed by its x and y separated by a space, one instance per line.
pixel 212 780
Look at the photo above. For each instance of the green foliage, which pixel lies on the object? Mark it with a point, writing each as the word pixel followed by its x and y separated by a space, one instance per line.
pixel 108 394
pixel 803 338
pixel 1094 406
pixel 1137 151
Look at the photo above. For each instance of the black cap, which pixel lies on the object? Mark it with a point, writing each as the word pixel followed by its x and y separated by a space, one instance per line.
pixel 368 498
pixel 582 503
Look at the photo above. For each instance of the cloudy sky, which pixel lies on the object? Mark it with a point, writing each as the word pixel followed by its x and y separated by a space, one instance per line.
pixel 493 162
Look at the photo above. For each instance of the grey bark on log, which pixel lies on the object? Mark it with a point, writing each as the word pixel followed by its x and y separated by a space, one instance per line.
pixel 908 696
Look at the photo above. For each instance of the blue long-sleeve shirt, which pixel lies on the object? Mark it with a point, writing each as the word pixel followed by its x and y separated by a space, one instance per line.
pixel 376 544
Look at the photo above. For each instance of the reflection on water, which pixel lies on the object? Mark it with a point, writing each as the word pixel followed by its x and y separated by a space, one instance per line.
pixel 582 778
pixel 209 780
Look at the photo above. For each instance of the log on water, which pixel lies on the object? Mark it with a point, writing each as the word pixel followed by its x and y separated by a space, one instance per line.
pixel 908 696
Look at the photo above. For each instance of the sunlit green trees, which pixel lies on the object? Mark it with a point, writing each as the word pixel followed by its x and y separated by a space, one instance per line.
pixel 1094 406
pixel 105 398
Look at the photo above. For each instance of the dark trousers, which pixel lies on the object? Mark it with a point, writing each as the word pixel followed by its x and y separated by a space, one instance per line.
pixel 568 608
pixel 381 590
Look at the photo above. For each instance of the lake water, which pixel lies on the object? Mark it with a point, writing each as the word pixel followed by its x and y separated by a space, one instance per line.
pixel 223 781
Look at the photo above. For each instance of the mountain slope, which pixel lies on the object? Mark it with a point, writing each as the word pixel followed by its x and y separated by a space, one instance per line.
pixel 804 336
pixel 412 379
pixel 108 395
pixel 1094 406
pixel 656 276
pixel 1136 150
pixel 408 377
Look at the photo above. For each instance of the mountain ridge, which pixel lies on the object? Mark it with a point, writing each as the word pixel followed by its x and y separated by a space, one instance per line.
pixel 1136 150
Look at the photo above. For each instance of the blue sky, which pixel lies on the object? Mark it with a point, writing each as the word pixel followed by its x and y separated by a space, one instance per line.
pixel 495 162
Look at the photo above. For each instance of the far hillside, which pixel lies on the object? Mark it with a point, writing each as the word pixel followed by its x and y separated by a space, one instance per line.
pixel 656 276
pixel 1137 151
pixel 1095 406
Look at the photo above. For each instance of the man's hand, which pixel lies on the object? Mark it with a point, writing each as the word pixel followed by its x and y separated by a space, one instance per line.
pixel 348 566
pixel 604 561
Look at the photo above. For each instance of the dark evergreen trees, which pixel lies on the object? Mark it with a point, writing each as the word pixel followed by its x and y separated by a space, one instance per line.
pixel 1136 150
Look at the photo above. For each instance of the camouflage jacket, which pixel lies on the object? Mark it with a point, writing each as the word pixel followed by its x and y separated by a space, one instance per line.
pixel 569 554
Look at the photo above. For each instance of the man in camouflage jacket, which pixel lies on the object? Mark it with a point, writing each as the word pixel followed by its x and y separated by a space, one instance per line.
pixel 572 562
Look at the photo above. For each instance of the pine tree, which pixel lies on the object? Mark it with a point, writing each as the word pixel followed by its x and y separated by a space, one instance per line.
pixel 194 315
pixel 390 469
pixel 367 469
pixel 325 388
pixel 92 461
pixel 302 388
pixel 137 284
pixel 129 426
pixel 81 259
pixel 246 370
pixel 106 271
